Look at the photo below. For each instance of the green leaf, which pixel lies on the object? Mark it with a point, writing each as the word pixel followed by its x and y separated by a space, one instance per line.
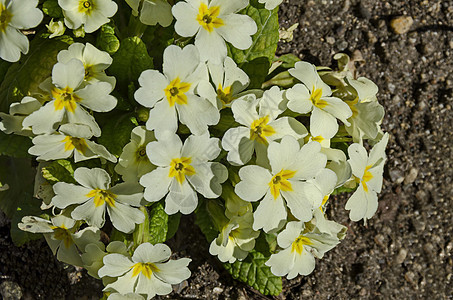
pixel 116 132
pixel 155 228
pixel 265 40
pixel 28 206
pixel 4 66
pixel 130 61
pixel 157 38
pixel 288 60
pixel 52 9
pixel 60 170
pixel 255 273
pixel 107 40
pixel 257 70
pixel 173 225
pixel 24 76
pixel 14 145
pixel 203 220
pixel 18 174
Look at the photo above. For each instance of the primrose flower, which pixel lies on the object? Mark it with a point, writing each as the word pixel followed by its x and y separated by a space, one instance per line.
pixel 323 136
pixel 270 4
pixel 315 96
pixel 94 253
pixel 133 162
pixel 171 95
pixel 69 94
pixel 367 113
pixel 18 111
pixel 55 28
pixel 261 126
pixel 95 62
pixel 367 170
pixel 153 11
pixel 183 170
pixel 213 23
pixel 72 139
pixel 290 180
pixel 90 13
pixel 299 250
pixel 236 239
pixel 229 80
pixel 16 15
pixel 61 235
pixel 148 272
pixel 94 196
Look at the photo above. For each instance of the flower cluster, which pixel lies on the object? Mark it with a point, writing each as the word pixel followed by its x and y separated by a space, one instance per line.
pixel 131 131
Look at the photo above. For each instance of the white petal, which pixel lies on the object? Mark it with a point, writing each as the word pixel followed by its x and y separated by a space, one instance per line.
pixel 156 184
pixel 237 30
pixel 289 234
pixel 201 180
pixel 95 178
pixel 162 152
pixel 12 43
pixel 128 193
pixel 362 205
pixel 321 121
pixel 282 262
pixel 162 118
pixel 186 24
pixel 337 108
pixel 148 253
pixel 269 214
pixel 244 111
pixel 254 183
pixel 173 271
pixel 299 99
pixel 211 45
pixel 115 265
pixel 197 114
pixel 358 159
pixel 96 97
pixel 304 264
pixel 95 216
pixel 152 286
pixel 180 62
pixel 378 151
pixel 124 285
pixel 124 217
pixel 81 116
pixel 152 85
pixel 68 74
pixel 25 14
pixel 282 155
pixel 302 200
pixel 229 7
pixel 45 119
pixel 238 144
pixel 326 181
pixel 201 148
pixel 68 193
pixel 181 198
pixel 309 161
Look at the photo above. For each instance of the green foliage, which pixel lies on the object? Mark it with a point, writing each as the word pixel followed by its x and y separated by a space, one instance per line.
pixel 26 207
pixel 203 220
pixel 257 70
pixel 288 60
pixel 130 61
pixel 116 132
pixel 266 38
pixel 157 38
pixel 60 170
pixel 52 9
pixel 255 273
pixel 14 145
pixel 24 76
pixel 158 226
pixel 107 40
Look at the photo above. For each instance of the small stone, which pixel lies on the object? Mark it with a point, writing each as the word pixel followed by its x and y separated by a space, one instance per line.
pixel 330 40
pixel 410 277
pixel 396 176
pixel 10 290
pixel 371 37
pixel 342 45
pixel 379 239
pixel 410 178
pixel 217 290
pixel 401 24
pixel 401 256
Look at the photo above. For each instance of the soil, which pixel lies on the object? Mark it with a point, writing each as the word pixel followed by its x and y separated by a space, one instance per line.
pixel 405 250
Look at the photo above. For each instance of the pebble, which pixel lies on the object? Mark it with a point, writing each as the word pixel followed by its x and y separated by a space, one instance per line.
pixel 10 290
pixel 410 178
pixel 342 45
pixel 401 24
pixel 396 176
pixel 330 40
pixel 217 290
pixel 401 256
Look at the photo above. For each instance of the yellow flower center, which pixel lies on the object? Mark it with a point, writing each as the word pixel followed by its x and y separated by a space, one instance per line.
pixel 175 92
pixel 324 201
pixel 260 130
pixel 280 182
pixel 352 105
pixel 65 98
pixel 5 18
pixel 146 269
pixel 86 6
pixel 298 244
pixel 180 167
pixel 102 196
pixel 89 72
pixel 62 234
pixel 208 17
pixel 73 142
pixel 315 98
pixel 224 94
pixel 367 176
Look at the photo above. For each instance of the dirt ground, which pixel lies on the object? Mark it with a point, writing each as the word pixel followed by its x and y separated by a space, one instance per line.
pixel 405 251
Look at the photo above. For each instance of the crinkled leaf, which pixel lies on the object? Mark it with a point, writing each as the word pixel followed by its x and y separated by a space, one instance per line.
pixel 52 9
pixel 155 228
pixel 266 38
pixel 203 220
pixel 60 170
pixel 116 132
pixel 130 61
pixel 288 60
pixel 14 145
pixel 24 76
pixel 107 40
pixel 255 273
